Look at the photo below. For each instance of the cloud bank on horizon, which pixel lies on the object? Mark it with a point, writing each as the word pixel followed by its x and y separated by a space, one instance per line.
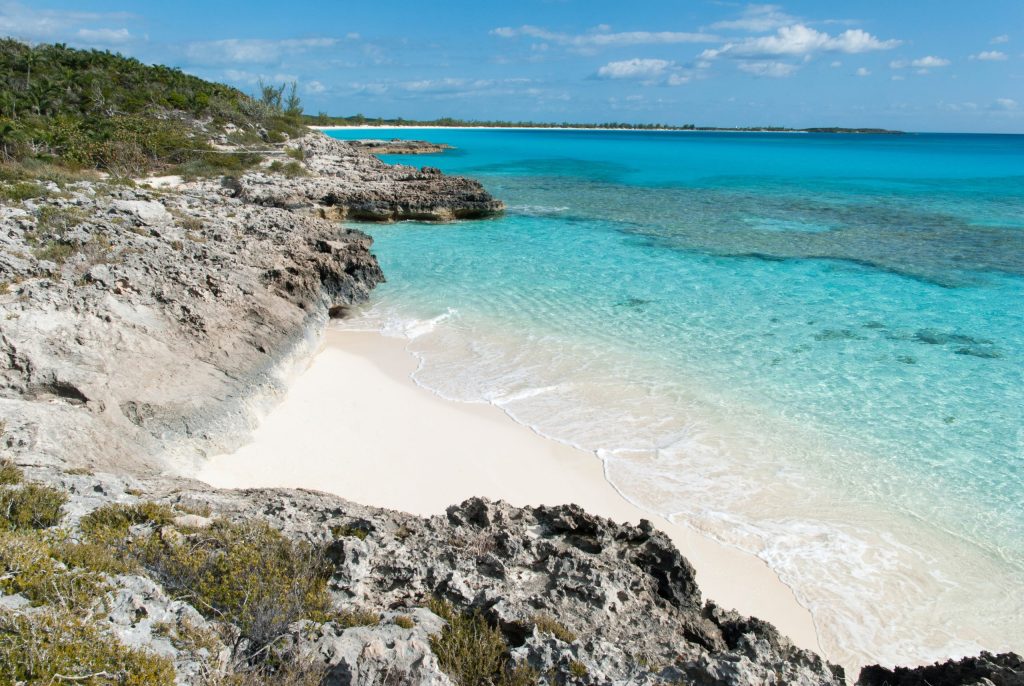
pixel 711 62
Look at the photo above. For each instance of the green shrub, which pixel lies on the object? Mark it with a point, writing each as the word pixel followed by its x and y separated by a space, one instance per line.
pixel 468 649
pixel 28 568
pixel 549 625
pixel 296 153
pixel 58 647
pixel 109 524
pixel 21 190
pixel 248 574
pixel 289 169
pixel 32 506
pixel 405 621
pixel 10 473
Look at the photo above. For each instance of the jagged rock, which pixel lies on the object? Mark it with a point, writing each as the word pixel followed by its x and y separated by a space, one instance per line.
pixel 352 184
pixel 985 669
pixel 141 615
pixel 384 653
pixel 397 146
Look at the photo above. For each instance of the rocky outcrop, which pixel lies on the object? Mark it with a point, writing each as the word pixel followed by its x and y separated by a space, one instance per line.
pixel 397 146
pixel 985 669
pixel 351 184
pixel 150 324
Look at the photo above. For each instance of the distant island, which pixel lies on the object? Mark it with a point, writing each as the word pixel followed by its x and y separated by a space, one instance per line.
pixel 325 120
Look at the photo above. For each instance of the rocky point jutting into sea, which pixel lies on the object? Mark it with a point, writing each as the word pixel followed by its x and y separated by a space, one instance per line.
pixel 144 328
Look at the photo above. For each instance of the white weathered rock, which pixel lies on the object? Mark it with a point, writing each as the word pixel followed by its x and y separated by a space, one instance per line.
pixel 148 212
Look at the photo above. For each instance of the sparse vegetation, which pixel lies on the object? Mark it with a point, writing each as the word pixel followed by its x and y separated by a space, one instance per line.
pixel 405 621
pixel 289 169
pixel 578 669
pixel 356 617
pixel 549 625
pixel 343 530
pixel 472 652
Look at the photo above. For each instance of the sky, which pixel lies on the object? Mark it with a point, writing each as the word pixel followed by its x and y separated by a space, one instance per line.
pixel 916 65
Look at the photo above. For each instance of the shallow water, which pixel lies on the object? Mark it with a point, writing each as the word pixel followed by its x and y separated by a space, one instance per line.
pixel 809 346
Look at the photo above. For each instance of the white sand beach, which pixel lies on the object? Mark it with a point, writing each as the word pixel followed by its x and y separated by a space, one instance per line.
pixel 355 424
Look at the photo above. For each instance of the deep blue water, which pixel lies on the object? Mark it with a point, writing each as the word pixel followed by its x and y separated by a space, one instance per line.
pixel 807 345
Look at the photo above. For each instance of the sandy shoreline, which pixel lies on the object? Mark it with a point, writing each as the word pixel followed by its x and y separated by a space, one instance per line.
pixel 355 424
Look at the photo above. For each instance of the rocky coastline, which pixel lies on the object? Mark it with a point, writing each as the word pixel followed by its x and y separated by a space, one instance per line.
pixel 144 328
pixel 398 146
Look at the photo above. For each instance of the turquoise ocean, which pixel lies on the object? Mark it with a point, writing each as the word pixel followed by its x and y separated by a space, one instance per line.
pixel 808 346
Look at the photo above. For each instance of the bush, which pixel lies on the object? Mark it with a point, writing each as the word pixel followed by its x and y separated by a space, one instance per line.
pixel 10 473
pixel 473 653
pixel 58 647
pixel 247 574
pixel 28 568
pixel 32 506
pixel 289 169
pixel 405 621
pixel 109 524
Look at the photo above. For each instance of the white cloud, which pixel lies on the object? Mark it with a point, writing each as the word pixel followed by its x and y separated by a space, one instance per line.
pixel 1004 104
pixel 799 40
pixel 603 39
pixel 677 79
pixel 28 23
pixel 835 64
pixel 253 50
pixel 756 19
pixel 776 70
pixel 929 62
pixel 635 68
pixel 990 56
pixel 252 78
pixel 1000 39
pixel 897 77
pixel 104 36
pixel 923 64
pixel 314 87
pixel 863 71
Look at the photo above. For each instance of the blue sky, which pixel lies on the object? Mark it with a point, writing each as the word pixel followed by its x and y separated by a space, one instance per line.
pixel 944 65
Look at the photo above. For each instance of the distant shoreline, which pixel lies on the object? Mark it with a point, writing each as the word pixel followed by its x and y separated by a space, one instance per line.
pixel 371 127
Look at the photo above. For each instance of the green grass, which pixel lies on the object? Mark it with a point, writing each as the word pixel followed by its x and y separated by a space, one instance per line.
pixel 21 190
pixel 549 625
